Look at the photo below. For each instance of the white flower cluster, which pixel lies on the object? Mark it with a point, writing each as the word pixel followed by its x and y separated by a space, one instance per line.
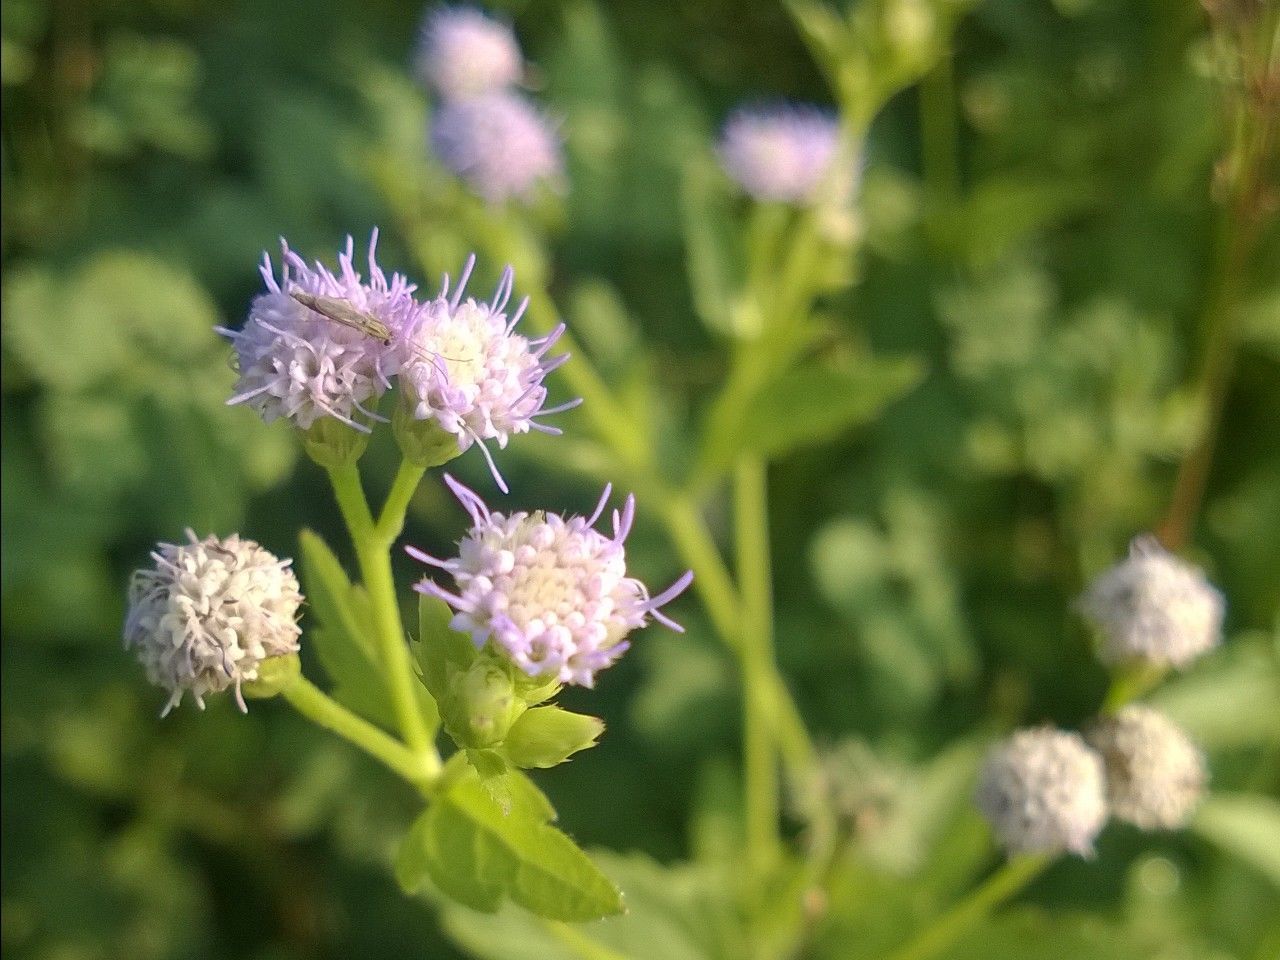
pixel 1153 608
pixel 209 613
pixel 1047 791
pixel 1155 774
pixel 1043 792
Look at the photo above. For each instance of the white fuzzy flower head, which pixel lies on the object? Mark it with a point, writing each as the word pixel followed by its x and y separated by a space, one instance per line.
pixel 551 593
pixel 463 366
pixel 1042 792
pixel 463 53
pixel 1155 774
pixel 209 613
pixel 779 153
pixel 1153 608
pixel 499 144
pixel 299 364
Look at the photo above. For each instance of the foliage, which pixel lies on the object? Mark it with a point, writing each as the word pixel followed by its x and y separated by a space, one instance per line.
pixel 986 385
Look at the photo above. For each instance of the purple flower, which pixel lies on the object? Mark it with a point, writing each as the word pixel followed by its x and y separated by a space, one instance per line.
pixel 463 365
pixel 463 53
pixel 779 153
pixel 552 593
pixel 299 364
pixel 499 144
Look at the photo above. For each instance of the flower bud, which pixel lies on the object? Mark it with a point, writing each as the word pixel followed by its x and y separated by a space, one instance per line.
pixel 546 736
pixel 333 444
pixel 1042 792
pixel 481 704
pixel 213 614
pixel 275 675
pixel 423 442
pixel 1153 608
pixel 1155 774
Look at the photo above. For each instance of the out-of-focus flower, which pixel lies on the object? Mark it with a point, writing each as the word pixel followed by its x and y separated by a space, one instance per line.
pixel 209 614
pixel 499 144
pixel 550 593
pixel 1042 791
pixel 297 363
pixel 463 366
pixel 463 53
pixel 1155 774
pixel 780 153
pixel 1153 608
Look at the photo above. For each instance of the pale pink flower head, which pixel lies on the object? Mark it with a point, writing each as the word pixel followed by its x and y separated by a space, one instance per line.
pixel 463 53
pixel 463 366
pixel 549 592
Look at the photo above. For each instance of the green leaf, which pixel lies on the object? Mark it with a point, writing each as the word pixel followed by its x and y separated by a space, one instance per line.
pixel 341 640
pixel 480 855
pixel 548 736
pixel 811 405
pixel 1246 826
pixel 674 912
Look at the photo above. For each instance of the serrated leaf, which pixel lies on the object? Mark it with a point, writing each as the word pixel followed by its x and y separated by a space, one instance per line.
pixel 479 855
pixel 1245 826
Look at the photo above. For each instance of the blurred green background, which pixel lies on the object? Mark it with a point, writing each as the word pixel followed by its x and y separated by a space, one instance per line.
pixel 1039 231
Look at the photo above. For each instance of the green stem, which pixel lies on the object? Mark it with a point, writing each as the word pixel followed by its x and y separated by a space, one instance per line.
pixel 938 142
pixel 391 520
pixel 952 925
pixel 711 579
pixel 322 710
pixel 375 569
pixel 351 501
pixel 751 524
pixel 1130 683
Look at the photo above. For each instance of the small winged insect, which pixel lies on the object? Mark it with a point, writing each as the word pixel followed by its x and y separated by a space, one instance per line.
pixel 341 311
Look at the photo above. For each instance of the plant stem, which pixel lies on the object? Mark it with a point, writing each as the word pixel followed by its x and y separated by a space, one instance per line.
pixel 1249 156
pixel 751 524
pixel 952 925
pixel 310 701
pixel 375 570
pixel 711 579
pixel 1130 683
pixel 938 142
pixel 351 501
pixel 391 520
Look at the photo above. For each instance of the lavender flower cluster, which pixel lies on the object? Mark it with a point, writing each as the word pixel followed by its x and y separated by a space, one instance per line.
pixel 459 362
pixel 484 130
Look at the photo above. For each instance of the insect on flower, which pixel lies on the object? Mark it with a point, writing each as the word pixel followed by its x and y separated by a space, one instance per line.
pixel 341 311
